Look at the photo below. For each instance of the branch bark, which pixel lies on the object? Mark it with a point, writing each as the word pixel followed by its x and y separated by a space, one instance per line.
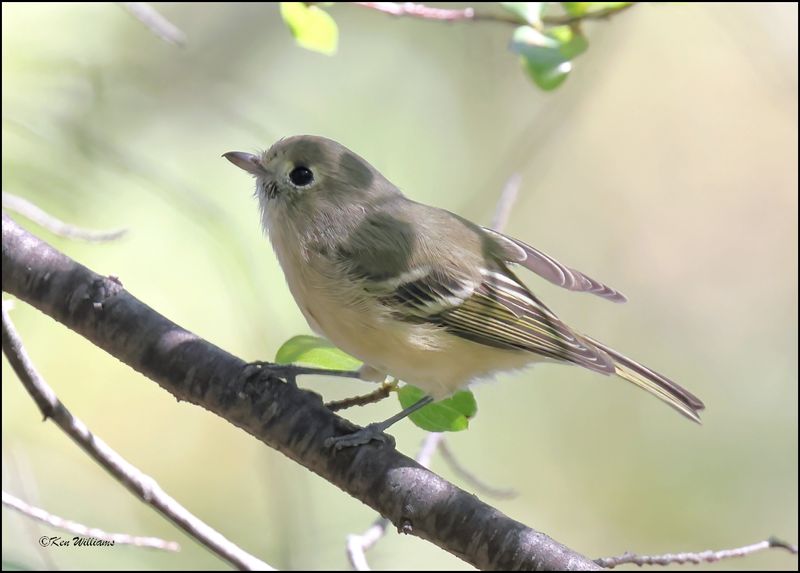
pixel 293 421
pixel 709 556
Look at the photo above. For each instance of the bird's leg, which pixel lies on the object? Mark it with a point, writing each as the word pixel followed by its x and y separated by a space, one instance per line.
pixel 375 431
pixel 290 372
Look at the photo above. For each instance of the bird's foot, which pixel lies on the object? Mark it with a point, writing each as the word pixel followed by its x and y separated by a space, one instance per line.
pixel 287 372
pixel 360 437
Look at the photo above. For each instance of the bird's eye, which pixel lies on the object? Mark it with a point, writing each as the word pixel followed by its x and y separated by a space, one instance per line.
pixel 301 176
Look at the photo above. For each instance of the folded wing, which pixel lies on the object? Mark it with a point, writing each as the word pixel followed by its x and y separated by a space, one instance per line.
pixel 548 268
pixel 494 309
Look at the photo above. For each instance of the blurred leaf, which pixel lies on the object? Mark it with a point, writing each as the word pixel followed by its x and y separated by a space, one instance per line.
pixel 571 43
pixel 576 8
pixel 464 402
pixel 530 12
pixel 559 44
pixel 312 27
pixel 547 77
pixel 583 8
pixel 546 55
pixel 315 351
pixel 449 415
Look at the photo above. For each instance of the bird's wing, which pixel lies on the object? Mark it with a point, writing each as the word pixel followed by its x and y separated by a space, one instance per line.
pixel 493 308
pixel 454 276
pixel 550 269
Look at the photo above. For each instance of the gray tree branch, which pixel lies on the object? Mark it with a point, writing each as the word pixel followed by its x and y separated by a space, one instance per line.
pixel 709 556
pixel 156 22
pixel 293 421
pixel 54 225
pixel 421 11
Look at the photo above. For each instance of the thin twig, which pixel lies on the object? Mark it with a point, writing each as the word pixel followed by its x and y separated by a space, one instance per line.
pixel 466 475
pixel 156 22
pixel 376 396
pixel 143 486
pixel 421 11
pixel 79 529
pixel 428 448
pixel 508 197
pixel 40 217
pixel 700 557
pixel 358 545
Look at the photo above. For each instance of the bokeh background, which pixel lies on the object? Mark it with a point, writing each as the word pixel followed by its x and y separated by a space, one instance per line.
pixel 666 166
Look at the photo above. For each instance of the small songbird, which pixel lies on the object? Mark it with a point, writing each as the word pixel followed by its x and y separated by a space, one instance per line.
pixel 414 291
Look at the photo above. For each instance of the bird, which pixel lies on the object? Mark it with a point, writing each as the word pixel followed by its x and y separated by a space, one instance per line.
pixel 414 291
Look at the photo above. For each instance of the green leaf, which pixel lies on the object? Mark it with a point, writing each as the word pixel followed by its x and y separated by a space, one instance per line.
pixel 530 12
pixel 312 27
pixel 464 402
pixel 571 43
pixel 583 8
pixel 546 55
pixel 559 44
pixel 576 8
pixel 315 351
pixel 547 77
pixel 449 415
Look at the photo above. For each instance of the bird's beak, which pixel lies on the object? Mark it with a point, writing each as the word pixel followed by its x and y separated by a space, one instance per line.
pixel 246 161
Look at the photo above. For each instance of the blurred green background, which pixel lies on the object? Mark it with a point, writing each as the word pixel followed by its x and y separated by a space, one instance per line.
pixel 665 166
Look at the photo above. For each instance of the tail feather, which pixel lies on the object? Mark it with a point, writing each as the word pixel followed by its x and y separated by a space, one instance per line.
pixel 663 388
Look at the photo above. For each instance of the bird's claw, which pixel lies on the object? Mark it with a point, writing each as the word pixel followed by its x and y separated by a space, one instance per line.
pixel 286 372
pixel 360 437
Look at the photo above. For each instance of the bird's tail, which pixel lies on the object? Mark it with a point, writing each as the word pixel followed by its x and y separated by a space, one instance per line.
pixel 665 389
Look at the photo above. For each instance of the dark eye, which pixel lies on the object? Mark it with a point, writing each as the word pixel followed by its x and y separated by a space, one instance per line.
pixel 301 176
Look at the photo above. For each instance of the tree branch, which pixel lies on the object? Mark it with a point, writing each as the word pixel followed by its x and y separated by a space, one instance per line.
pixel 54 225
pixel 508 196
pixel 699 557
pixel 154 21
pixel 423 12
pixel 471 478
pixel 358 545
pixel 293 421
